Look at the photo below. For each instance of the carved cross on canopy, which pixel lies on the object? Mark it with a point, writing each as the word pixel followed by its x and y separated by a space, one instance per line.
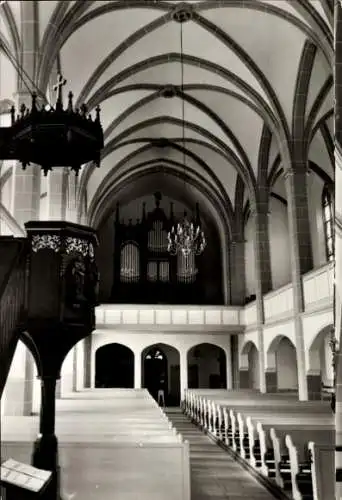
pixel 61 81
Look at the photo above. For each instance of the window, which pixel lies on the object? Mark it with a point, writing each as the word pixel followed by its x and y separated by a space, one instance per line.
pixel 328 221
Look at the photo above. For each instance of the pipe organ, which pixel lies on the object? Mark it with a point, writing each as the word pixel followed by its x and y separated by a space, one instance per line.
pixel 144 271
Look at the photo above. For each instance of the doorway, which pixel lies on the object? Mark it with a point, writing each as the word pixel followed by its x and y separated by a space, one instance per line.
pixel 114 367
pixel 160 370
pixel 207 367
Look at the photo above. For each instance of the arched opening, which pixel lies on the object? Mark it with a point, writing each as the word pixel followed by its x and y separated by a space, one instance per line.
pixel 320 374
pixel 286 365
pixel 252 354
pixel 160 370
pixel 114 366
pixel 207 367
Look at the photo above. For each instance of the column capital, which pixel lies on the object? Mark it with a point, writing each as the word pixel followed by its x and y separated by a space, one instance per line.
pixel 289 172
pixel 254 212
pixel 237 241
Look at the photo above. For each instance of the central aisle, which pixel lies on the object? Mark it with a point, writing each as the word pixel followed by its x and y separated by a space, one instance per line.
pixel 214 473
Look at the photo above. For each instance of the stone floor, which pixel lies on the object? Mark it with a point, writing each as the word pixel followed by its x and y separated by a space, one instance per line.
pixel 214 474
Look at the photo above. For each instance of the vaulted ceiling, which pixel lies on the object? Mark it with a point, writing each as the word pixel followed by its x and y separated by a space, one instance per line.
pixel 245 64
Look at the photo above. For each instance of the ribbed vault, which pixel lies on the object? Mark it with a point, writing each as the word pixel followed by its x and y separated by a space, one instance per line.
pixel 257 75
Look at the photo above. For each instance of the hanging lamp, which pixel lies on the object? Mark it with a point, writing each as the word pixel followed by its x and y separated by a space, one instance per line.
pixel 185 237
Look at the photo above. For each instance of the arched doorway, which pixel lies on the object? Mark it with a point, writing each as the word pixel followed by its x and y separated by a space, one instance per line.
pixel 321 356
pixel 114 366
pixel 251 352
pixel 160 370
pixel 207 367
pixel 320 370
pixel 286 365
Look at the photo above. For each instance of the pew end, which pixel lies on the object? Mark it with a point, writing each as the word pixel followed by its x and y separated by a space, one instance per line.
pixel 323 470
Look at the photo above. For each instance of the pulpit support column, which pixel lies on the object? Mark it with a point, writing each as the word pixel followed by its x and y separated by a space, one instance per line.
pixel 45 452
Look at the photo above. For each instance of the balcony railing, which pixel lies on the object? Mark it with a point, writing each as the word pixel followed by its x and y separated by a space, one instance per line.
pixel 318 287
pixel 278 305
pixel 211 317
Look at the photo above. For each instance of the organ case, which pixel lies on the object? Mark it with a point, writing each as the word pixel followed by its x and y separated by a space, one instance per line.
pixel 144 270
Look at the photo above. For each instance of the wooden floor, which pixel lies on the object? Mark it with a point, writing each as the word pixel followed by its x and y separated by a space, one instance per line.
pixel 214 474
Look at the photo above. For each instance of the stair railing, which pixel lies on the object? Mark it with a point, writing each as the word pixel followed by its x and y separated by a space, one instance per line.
pixel 12 307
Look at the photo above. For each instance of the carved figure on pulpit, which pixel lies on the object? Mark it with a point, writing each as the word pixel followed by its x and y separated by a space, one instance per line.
pixel 76 282
pixel 93 284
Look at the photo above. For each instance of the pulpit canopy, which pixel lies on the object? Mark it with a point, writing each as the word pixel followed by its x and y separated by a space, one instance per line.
pixel 53 136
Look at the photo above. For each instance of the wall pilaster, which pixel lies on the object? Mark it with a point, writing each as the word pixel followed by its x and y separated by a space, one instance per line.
pixel 56 202
pixel 237 273
pixel 26 184
pixel 263 279
pixel 301 259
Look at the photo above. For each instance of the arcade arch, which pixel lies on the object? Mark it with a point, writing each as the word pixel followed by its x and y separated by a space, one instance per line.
pixel 161 370
pixel 320 357
pixel 207 367
pixel 114 366
pixel 282 358
pixel 251 356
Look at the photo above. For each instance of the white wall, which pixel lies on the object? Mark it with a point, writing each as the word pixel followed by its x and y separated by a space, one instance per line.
pixel 279 241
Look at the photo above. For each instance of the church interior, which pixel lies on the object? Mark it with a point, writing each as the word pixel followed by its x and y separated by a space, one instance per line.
pixel 217 247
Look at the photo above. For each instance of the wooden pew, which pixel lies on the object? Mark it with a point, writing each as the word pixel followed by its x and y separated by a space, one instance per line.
pixel 110 444
pixel 277 446
pixel 323 467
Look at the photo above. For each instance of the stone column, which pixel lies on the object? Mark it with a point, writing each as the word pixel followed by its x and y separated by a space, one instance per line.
pixel 229 365
pixel 137 370
pixel 338 244
pixel 26 184
pixel 244 378
pixel 71 198
pixel 234 346
pixel 87 362
pixel 80 365
pixel 18 394
pixel 263 277
pixel 301 258
pixel 56 202
pixel 67 374
pixel 183 361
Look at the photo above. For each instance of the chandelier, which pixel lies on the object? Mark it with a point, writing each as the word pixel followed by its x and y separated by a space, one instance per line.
pixel 185 238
